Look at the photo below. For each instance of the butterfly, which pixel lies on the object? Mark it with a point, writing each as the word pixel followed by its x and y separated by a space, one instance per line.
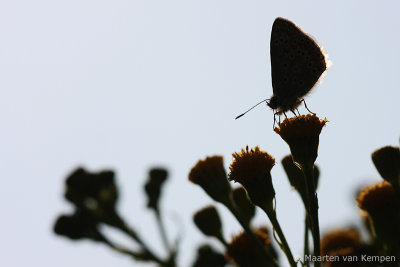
pixel 297 63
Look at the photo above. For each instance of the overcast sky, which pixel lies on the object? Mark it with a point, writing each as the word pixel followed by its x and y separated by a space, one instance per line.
pixel 132 84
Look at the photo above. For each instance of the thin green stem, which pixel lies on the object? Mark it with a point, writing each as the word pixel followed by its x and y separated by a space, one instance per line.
pixel 312 199
pixel 283 243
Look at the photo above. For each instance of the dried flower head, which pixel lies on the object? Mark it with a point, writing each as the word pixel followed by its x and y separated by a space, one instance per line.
pixel 78 226
pixel 244 252
pixel 251 168
pixel 340 239
pixel 382 204
pixel 375 198
pixel 210 174
pixel 387 162
pixel 153 186
pixel 207 256
pixel 301 133
pixel 94 193
pixel 209 222
pixel 296 176
pixel 253 163
pixel 90 190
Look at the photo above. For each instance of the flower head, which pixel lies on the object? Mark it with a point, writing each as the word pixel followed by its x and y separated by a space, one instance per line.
pixel 251 168
pixel 377 197
pixel 207 256
pixel 85 189
pixel 209 222
pixel 382 204
pixel 157 177
pixel 211 176
pixel 340 239
pixel 244 252
pixel 301 133
pixel 387 162
pixel 94 193
pixel 250 163
pixel 296 177
pixel 78 226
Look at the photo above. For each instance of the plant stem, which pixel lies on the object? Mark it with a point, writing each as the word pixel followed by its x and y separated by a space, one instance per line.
pixel 132 233
pixel 222 240
pixel 312 199
pixel 283 243
pixel 396 187
pixel 162 230
pixel 148 255
pixel 124 251
pixel 306 238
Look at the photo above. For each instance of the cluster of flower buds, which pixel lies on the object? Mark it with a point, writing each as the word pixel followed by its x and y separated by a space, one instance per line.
pixel 252 169
pixel 94 197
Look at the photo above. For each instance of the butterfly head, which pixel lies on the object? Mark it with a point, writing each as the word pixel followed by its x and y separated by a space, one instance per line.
pixel 283 104
pixel 274 102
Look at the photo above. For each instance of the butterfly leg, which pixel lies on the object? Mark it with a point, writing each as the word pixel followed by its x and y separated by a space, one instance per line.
pixel 298 112
pixel 292 110
pixel 275 120
pixel 305 105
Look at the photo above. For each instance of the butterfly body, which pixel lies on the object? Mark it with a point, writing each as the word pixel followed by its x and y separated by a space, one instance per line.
pixel 297 63
pixel 284 104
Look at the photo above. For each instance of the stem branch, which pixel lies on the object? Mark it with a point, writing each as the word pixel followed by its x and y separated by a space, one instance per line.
pixel 283 243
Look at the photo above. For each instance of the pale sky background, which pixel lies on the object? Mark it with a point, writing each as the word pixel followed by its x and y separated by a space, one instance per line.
pixel 132 84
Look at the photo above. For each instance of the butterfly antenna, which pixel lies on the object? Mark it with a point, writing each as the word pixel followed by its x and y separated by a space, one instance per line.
pixel 250 109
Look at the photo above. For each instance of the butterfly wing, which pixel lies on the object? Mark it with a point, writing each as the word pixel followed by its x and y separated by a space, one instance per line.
pixel 297 61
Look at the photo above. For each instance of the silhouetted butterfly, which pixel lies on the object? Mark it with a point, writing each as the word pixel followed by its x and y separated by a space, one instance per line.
pixel 297 63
